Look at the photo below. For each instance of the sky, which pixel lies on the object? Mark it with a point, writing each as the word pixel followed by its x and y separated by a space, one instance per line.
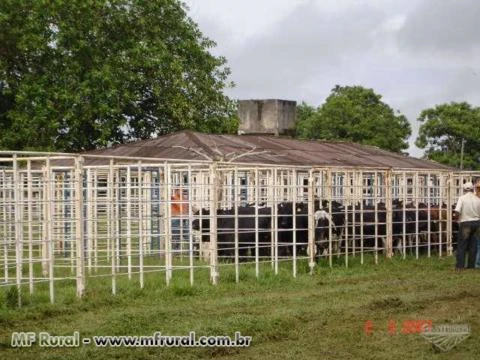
pixel 415 53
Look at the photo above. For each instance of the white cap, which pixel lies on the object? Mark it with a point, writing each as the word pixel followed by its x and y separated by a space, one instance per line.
pixel 468 186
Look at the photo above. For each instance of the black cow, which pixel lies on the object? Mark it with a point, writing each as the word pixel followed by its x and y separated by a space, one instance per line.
pixel 330 215
pixel 286 214
pixel 246 229
pixel 374 227
pixel 403 223
pixel 322 218
pixel 416 223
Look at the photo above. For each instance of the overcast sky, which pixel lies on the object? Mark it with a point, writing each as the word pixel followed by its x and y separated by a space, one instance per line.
pixel 415 53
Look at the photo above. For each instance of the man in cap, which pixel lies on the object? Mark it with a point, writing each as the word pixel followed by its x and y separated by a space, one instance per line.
pixel 468 209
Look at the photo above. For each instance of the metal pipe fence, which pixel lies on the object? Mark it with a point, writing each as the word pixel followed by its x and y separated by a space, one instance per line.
pixel 64 219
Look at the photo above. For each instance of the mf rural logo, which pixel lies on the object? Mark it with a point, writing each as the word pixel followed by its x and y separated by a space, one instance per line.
pixel 446 337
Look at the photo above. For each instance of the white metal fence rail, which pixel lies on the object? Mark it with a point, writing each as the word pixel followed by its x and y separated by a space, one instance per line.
pixel 64 217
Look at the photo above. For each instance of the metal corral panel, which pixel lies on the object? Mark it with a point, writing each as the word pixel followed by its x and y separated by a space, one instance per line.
pixel 138 216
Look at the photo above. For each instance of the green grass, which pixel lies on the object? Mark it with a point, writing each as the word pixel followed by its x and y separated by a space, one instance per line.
pixel 320 316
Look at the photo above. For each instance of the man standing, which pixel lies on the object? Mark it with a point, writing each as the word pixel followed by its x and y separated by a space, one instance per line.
pixel 179 206
pixel 468 208
pixel 477 192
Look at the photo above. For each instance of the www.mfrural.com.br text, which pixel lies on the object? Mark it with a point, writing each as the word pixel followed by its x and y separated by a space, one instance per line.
pixel 45 339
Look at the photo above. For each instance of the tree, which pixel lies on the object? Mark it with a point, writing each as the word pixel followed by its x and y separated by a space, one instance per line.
pixel 90 73
pixel 444 129
pixel 357 114
pixel 304 112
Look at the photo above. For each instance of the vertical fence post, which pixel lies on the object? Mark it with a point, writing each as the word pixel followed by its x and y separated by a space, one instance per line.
pixel 141 230
pixel 276 196
pixel 376 187
pixel 112 232
pixel 428 180
pixel 90 217
pixel 346 195
pixel 440 196
pixel 190 222
pixel 416 198
pixel 257 198
pixel 167 224
pixel 4 204
pixel 404 211
pixel 94 225
pixel 293 187
pixel 450 195
pixel 213 224
pixel 30 225
pixel 18 228
pixel 80 275
pixel 311 223
pixel 389 209
pixel 236 204
pixel 48 248
pixel 329 199
pixel 129 221
pixel 361 215
pixel 355 198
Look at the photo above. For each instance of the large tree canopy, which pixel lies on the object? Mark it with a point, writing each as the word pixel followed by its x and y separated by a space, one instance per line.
pixel 356 114
pixel 79 74
pixel 444 129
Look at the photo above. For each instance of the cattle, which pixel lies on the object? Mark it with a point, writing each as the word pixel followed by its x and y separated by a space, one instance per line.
pixel 420 219
pixel 246 229
pixel 404 222
pixel 415 221
pixel 365 225
pixel 438 223
pixel 362 225
pixel 331 215
pixel 286 216
pixel 323 221
pixel 408 221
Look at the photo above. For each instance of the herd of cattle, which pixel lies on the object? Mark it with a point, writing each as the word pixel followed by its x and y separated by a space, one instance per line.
pixel 362 227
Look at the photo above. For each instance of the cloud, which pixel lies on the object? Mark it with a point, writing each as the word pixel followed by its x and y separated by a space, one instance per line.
pixel 447 27
pixel 307 42
pixel 416 54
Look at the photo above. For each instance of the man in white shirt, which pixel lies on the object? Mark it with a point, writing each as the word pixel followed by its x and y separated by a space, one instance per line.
pixel 477 192
pixel 468 208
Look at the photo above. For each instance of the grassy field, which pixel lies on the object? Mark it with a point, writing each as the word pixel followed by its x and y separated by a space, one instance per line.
pixel 320 316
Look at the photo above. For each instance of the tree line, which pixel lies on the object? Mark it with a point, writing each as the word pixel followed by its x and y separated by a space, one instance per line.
pixel 84 74
pixel 449 133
